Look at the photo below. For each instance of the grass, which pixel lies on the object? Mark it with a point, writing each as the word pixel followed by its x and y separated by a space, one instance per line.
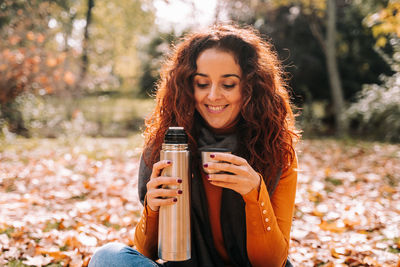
pixel 93 148
pixel 110 116
pixel 115 109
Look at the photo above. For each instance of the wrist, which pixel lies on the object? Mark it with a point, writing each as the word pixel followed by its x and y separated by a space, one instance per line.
pixel 154 209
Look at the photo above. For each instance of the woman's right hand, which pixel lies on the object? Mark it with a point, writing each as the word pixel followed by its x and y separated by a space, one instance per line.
pixel 158 196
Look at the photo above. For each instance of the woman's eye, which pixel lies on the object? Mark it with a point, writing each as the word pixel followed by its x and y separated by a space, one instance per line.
pixel 229 85
pixel 202 85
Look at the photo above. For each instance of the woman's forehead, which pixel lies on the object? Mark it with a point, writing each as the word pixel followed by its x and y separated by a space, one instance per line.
pixel 215 60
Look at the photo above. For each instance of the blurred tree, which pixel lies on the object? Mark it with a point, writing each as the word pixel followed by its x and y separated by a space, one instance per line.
pixel 376 113
pixel 46 48
pixel 115 30
pixel 299 27
pixel 331 61
pixel 26 62
pixel 322 13
pixel 85 42
pixel 153 54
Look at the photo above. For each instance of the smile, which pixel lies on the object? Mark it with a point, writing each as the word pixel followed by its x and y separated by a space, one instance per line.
pixel 216 109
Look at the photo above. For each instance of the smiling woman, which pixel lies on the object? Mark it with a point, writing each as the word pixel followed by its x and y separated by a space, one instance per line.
pixel 224 86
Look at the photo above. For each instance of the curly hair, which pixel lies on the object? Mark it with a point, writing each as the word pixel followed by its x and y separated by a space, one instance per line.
pixel 267 121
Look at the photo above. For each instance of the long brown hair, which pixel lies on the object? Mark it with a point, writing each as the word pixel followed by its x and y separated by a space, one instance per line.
pixel 267 120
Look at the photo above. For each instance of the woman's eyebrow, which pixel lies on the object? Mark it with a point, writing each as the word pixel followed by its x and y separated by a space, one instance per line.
pixel 224 76
pixel 229 75
pixel 200 74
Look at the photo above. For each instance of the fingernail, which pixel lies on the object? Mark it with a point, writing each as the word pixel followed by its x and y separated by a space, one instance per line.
pixel 208 176
pixel 205 165
pixel 180 191
pixel 168 162
pixel 175 199
pixel 212 156
pixel 179 181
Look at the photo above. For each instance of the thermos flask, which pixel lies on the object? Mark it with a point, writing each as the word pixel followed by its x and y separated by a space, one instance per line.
pixel 174 242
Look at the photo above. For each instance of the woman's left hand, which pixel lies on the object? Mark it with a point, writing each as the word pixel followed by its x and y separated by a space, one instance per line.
pixel 242 178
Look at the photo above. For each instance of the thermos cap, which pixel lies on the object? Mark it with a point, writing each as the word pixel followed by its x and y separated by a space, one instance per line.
pixel 175 135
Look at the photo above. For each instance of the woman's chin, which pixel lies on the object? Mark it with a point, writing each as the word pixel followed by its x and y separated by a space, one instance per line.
pixel 216 125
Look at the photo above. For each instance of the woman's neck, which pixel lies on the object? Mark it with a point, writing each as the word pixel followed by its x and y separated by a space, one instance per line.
pixel 230 128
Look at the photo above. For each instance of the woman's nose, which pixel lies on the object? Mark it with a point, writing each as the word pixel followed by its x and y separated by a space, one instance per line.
pixel 214 93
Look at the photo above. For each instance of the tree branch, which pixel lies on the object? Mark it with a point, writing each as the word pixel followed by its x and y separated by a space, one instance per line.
pixel 317 32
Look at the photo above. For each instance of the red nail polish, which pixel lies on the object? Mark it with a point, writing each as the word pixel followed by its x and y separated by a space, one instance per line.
pixel 168 162
pixel 179 181
pixel 175 199
pixel 180 191
pixel 208 176
pixel 205 165
pixel 212 156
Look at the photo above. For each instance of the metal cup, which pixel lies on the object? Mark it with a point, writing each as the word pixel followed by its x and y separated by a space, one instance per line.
pixel 205 157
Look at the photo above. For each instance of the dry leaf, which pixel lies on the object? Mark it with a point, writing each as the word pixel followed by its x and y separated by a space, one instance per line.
pixel 59 201
pixel 37 260
pixel 327 226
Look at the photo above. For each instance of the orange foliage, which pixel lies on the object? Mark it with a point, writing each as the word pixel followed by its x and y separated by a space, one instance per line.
pixel 26 65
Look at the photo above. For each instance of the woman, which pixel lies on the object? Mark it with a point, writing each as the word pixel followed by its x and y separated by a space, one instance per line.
pixel 225 87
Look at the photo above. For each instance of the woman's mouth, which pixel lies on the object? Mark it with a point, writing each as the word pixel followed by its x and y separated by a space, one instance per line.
pixel 216 108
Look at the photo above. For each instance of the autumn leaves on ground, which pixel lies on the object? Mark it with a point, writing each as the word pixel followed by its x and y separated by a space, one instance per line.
pixel 60 199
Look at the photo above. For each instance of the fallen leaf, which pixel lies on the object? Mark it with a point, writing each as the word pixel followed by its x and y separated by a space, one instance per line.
pixel 37 260
pixel 332 227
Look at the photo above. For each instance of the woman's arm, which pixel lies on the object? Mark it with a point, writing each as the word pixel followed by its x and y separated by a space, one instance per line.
pixel 269 221
pixel 146 233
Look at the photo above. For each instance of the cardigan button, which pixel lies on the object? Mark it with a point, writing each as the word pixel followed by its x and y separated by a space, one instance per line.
pixel 268 228
pixel 264 211
pixel 266 220
pixel 262 204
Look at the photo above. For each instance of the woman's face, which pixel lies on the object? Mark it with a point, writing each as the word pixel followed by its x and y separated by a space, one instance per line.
pixel 217 89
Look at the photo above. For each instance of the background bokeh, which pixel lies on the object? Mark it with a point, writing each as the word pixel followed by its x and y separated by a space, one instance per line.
pixel 76 83
pixel 89 67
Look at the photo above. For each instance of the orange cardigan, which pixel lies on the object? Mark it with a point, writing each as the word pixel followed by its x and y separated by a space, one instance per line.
pixel 268 223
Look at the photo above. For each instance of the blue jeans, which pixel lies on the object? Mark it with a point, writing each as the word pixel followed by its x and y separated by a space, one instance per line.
pixel 118 254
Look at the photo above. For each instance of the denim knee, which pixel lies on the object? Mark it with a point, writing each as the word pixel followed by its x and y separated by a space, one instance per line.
pixel 118 254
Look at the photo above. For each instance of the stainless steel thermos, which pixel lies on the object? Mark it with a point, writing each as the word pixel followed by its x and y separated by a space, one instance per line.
pixel 174 243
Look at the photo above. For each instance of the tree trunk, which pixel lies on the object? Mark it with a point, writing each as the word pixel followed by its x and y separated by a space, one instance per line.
pixel 85 43
pixel 333 72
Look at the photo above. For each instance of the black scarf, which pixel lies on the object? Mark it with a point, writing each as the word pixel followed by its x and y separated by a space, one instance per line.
pixel 233 217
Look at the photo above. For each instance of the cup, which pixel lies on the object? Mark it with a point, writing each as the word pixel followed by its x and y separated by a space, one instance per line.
pixel 205 157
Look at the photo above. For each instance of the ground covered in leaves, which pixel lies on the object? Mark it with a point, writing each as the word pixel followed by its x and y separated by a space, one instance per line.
pixel 60 199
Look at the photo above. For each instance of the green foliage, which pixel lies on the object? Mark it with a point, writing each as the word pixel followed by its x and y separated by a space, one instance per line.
pixel 376 113
pixel 116 30
pixel 359 63
pixel 289 26
pixel 385 23
pixel 154 52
